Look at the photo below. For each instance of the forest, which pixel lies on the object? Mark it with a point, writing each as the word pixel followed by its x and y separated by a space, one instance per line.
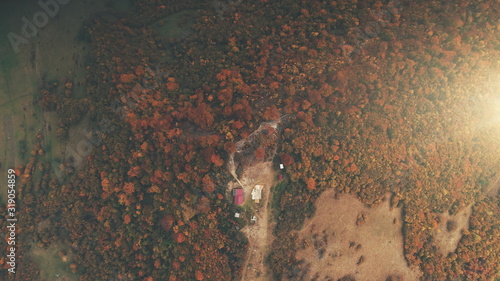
pixel 375 109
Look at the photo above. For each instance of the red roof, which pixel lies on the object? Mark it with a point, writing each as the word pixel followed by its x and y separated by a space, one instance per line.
pixel 238 200
pixel 238 196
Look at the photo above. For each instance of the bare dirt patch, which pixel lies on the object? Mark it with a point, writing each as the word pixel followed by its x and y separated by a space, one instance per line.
pixel 347 238
pixel 451 227
pixel 259 234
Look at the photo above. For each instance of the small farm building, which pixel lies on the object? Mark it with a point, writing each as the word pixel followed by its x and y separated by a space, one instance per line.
pixel 238 196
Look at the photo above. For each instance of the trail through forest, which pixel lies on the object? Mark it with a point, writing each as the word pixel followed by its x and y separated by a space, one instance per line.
pixel 259 234
pixel 253 157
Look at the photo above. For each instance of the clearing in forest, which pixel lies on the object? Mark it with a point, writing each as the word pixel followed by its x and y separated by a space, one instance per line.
pixel 346 238
pixel 259 233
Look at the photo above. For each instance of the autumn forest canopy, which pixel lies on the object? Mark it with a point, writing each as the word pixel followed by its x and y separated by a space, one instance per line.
pixel 379 97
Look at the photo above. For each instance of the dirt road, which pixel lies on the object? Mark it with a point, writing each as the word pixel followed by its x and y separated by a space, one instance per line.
pixel 259 234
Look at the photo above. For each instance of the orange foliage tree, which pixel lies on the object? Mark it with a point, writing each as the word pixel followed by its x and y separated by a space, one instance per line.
pixel 286 159
pixel 208 185
pixel 311 183
pixel 259 153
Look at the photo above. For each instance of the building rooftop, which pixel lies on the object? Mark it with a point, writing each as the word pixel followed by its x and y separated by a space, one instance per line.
pixel 239 199
pixel 257 192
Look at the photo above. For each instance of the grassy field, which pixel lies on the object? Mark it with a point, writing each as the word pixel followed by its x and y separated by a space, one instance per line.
pixel 176 25
pixel 53 265
pixel 54 54
pixel 17 88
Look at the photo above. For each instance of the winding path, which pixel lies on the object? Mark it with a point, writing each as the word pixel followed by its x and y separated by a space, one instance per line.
pixel 259 234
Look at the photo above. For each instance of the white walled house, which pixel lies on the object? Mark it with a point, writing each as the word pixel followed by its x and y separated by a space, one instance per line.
pixel 257 193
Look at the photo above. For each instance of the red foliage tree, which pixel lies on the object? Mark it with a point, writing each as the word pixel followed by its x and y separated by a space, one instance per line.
pixel 217 160
pixel 126 219
pixel 311 183
pixel 179 237
pixel 134 171
pixel 199 275
pixel 230 147
pixel 129 188
pixel 272 113
pixel 171 84
pixel 167 222
pixel 238 125
pixel 259 153
pixel 208 185
pixel 286 159
pixel 203 205
pixel 201 115
pixel 243 110
pixel 225 95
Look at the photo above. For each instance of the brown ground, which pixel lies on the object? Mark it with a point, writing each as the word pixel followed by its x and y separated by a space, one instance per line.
pixel 259 234
pixel 450 230
pixel 345 237
pixel 451 227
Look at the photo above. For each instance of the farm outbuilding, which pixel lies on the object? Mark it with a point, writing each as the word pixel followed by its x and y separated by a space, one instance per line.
pixel 239 199
pixel 257 193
